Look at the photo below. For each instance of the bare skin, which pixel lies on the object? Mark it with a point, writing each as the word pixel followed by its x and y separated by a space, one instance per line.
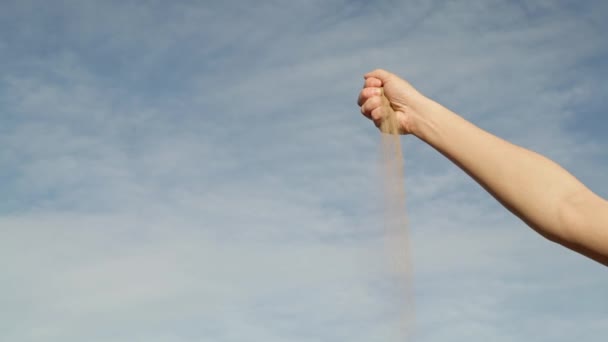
pixel 540 192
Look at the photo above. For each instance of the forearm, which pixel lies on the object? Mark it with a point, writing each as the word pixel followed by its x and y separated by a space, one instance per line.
pixel 537 190
pixel 531 186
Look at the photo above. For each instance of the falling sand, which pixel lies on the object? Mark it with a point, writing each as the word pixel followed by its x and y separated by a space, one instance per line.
pixel 395 222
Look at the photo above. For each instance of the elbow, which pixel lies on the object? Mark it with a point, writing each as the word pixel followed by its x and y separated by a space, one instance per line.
pixel 571 218
pixel 582 224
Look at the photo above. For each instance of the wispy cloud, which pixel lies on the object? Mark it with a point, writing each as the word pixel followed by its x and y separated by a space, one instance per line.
pixel 185 172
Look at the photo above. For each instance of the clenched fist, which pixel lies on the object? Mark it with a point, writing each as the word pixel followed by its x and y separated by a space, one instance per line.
pixel 391 102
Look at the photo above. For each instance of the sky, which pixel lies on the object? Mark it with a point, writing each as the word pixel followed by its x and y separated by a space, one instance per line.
pixel 199 171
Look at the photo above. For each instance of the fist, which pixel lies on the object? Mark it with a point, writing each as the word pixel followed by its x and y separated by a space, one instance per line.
pixel 389 101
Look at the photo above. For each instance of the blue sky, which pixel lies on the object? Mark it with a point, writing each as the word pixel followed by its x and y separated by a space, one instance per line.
pixel 199 171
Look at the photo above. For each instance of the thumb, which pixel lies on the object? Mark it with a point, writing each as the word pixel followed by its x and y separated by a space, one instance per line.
pixel 380 74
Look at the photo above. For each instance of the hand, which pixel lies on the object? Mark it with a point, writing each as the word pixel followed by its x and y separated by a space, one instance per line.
pixel 390 102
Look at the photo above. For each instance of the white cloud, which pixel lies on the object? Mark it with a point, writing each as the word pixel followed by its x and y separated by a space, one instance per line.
pixel 185 172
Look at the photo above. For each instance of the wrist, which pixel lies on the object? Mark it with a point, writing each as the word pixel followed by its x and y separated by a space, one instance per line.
pixel 424 119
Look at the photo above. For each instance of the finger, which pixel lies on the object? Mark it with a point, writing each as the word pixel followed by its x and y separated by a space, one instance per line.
pixel 370 105
pixel 378 122
pixel 366 93
pixel 367 115
pixel 372 82
pixel 380 74
pixel 377 114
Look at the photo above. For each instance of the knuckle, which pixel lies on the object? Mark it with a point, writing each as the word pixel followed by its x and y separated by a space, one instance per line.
pixel 364 94
pixel 369 94
pixel 372 91
pixel 375 101
pixel 376 114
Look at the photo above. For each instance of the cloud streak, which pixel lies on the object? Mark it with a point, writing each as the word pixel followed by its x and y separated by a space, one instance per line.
pixel 185 172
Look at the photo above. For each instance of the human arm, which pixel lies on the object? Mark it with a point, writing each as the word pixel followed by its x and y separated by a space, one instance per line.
pixel 540 192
